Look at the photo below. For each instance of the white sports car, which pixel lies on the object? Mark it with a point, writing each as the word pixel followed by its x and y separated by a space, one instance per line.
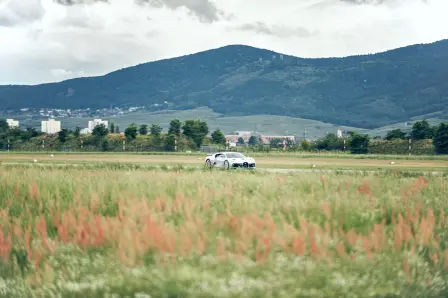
pixel 227 160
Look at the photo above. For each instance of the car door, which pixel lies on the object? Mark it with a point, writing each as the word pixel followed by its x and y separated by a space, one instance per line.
pixel 219 160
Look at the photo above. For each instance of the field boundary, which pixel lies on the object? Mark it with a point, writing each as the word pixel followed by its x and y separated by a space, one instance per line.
pixel 254 154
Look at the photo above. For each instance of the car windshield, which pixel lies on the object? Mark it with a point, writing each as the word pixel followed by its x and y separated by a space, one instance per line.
pixel 235 155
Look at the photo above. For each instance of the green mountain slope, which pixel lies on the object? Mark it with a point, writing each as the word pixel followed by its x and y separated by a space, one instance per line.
pixel 362 91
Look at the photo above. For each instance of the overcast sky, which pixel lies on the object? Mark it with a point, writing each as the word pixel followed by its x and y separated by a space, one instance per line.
pixel 52 40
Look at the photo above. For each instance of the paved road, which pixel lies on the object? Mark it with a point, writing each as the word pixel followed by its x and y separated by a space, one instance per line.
pixel 433 173
pixel 270 170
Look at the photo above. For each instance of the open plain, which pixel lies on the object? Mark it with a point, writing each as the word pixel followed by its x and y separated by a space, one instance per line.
pixel 94 230
pixel 279 161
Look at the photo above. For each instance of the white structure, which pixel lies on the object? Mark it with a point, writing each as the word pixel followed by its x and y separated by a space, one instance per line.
pixel 51 126
pixel 339 133
pixel 84 131
pixel 12 123
pixel 96 122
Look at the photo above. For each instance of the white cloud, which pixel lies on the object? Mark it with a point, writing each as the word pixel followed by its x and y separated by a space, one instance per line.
pixel 43 41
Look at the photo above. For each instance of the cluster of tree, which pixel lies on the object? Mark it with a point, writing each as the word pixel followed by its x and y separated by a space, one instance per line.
pixel 356 143
pixel 422 130
pixel 191 134
pixel 359 143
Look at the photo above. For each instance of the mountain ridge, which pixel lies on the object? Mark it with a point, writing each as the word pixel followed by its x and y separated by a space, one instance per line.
pixel 367 91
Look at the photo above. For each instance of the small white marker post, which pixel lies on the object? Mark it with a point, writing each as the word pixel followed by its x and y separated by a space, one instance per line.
pixel 175 144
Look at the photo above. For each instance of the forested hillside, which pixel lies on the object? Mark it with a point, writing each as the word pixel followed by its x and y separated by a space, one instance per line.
pixel 361 91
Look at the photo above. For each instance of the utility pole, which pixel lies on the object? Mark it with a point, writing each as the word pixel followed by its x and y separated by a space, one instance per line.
pixel 124 145
pixel 410 147
pixel 227 144
pixel 175 144
pixel 8 145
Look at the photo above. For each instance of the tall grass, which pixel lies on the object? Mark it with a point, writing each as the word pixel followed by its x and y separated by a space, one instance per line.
pixel 116 233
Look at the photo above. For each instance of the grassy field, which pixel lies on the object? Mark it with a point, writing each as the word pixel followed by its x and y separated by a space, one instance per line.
pixel 279 161
pixel 266 124
pixel 82 232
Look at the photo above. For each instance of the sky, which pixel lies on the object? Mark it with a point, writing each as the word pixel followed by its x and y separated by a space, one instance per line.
pixel 52 40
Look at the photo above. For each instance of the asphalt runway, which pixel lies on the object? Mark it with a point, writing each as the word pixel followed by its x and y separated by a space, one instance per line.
pixel 267 170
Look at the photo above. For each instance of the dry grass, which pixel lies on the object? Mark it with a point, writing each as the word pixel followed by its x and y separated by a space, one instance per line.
pixel 84 233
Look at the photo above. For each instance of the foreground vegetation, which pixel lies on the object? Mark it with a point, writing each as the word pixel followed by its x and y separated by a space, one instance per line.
pixel 160 233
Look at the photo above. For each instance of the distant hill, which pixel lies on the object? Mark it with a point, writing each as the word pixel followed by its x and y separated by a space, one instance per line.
pixel 365 91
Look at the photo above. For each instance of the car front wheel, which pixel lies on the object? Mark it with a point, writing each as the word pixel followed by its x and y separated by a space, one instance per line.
pixel 226 165
pixel 208 164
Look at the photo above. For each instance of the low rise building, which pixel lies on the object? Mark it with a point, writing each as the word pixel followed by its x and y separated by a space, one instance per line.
pixel 12 123
pixel 267 139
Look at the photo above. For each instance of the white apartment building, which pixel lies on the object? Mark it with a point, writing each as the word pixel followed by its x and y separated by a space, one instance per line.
pixel 95 122
pixel 12 123
pixel 51 126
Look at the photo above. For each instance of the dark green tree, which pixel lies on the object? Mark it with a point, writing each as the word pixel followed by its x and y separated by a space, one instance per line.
pixel 276 143
pixel 359 143
pixel 421 130
pixel 112 128
pixel 218 137
pixel 155 130
pixel 196 130
pixel 396 134
pixel 63 135
pixel 441 139
pixel 143 130
pixel 253 141
pixel 240 141
pixel 131 131
pixel 14 132
pixel 77 132
pixel 104 145
pixel 4 126
pixel 117 129
pixel 100 131
pixel 175 127
pixel 330 142
pixel 29 133
pixel 169 142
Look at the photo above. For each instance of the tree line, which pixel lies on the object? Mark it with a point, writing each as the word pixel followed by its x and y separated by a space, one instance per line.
pixel 192 134
pixel 359 143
